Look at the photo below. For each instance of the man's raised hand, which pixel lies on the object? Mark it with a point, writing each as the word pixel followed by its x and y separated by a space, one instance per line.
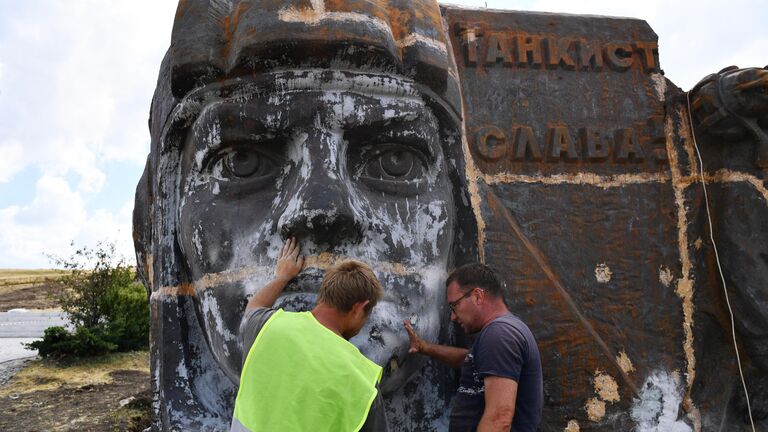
pixel 289 262
pixel 417 343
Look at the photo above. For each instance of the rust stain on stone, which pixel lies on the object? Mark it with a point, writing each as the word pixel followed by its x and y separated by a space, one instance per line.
pixel 229 25
pixel 174 291
pixel 570 304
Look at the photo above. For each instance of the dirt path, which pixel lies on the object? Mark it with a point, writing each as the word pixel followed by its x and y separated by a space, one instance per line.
pixel 109 394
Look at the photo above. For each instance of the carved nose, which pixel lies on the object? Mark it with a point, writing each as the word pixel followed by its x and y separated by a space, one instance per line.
pixel 324 215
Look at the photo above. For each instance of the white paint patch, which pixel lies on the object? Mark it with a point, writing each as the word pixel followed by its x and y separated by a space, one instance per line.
pixel 660 85
pixel 658 408
pixel 665 276
pixel 414 38
pixel 603 273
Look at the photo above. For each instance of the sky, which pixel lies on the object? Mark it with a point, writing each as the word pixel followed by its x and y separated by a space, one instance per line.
pixel 77 77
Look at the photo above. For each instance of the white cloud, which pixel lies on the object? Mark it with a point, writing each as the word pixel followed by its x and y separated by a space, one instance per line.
pixel 81 93
pixel 83 76
pixel 57 216
pixel 12 156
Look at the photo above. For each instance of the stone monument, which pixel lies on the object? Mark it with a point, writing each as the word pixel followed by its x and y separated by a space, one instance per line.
pixel 418 137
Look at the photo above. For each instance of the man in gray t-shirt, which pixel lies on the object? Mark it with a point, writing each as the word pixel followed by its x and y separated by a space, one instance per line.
pixel 501 385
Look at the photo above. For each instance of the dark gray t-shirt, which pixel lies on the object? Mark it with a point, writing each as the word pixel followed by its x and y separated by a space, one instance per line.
pixel 505 348
pixel 252 323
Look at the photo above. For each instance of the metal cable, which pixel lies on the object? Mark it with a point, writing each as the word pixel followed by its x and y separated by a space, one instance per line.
pixel 717 259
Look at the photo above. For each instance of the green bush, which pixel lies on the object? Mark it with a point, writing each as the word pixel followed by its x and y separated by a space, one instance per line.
pixel 59 343
pixel 128 318
pixel 102 300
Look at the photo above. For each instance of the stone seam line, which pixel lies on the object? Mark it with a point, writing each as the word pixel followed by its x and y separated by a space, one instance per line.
pixel 685 286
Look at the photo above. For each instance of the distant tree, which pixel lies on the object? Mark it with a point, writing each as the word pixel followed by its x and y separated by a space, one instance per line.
pixel 105 304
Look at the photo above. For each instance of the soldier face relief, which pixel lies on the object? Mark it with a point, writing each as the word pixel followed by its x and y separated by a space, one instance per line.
pixel 350 164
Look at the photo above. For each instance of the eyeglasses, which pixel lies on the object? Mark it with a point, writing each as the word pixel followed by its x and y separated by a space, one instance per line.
pixel 452 305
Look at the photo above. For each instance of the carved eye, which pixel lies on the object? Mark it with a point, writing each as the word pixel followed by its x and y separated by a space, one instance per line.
pixel 241 163
pixel 395 163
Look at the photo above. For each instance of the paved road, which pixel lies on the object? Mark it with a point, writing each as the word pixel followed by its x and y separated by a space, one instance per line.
pixel 20 323
pixel 17 327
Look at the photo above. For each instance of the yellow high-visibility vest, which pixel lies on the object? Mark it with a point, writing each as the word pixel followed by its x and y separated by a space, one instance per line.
pixel 301 376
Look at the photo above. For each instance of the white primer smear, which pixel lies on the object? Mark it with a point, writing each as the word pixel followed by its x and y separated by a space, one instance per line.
pixel 658 408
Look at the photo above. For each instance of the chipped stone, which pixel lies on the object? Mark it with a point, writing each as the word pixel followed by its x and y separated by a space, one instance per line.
pixel 603 273
pixel 595 409
pixel 606 387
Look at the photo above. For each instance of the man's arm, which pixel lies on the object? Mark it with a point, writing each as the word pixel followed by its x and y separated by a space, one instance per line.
pixel 500 397
pixel 289 265
pixel 450 356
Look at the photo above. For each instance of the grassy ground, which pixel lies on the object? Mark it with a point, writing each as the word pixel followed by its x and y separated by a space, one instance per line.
pixel 110 393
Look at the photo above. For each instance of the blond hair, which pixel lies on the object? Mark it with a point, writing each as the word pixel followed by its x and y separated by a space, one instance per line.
pixel 348 283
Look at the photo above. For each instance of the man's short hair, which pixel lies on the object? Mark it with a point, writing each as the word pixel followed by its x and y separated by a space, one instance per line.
pixel 476 275
pixel 348 283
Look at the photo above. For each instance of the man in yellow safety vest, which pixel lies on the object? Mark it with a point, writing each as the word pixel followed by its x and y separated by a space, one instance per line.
pixel 301 372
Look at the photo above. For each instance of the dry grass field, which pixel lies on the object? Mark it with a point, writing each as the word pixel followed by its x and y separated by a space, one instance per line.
pixel 28 289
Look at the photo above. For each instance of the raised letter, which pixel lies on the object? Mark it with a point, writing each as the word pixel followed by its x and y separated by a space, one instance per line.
pixel 619 56
pixel 561 143
pixel 590 56
pixel 597 144
pixel 559 53
pixel 468 34
pixel 527 44
pixel 648 51
pixel 498 49
pixel 525 144
pixel 491 143
pixel 628 147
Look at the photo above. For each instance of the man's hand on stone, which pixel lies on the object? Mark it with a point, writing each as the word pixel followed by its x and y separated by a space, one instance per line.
pixel 289 262
pixel 417 343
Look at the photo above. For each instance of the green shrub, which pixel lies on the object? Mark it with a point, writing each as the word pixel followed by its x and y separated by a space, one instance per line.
pixel 59 343
pixel 102 300
pixel 128 318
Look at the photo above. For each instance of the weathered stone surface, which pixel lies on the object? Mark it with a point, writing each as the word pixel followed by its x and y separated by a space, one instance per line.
pixel 416 138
